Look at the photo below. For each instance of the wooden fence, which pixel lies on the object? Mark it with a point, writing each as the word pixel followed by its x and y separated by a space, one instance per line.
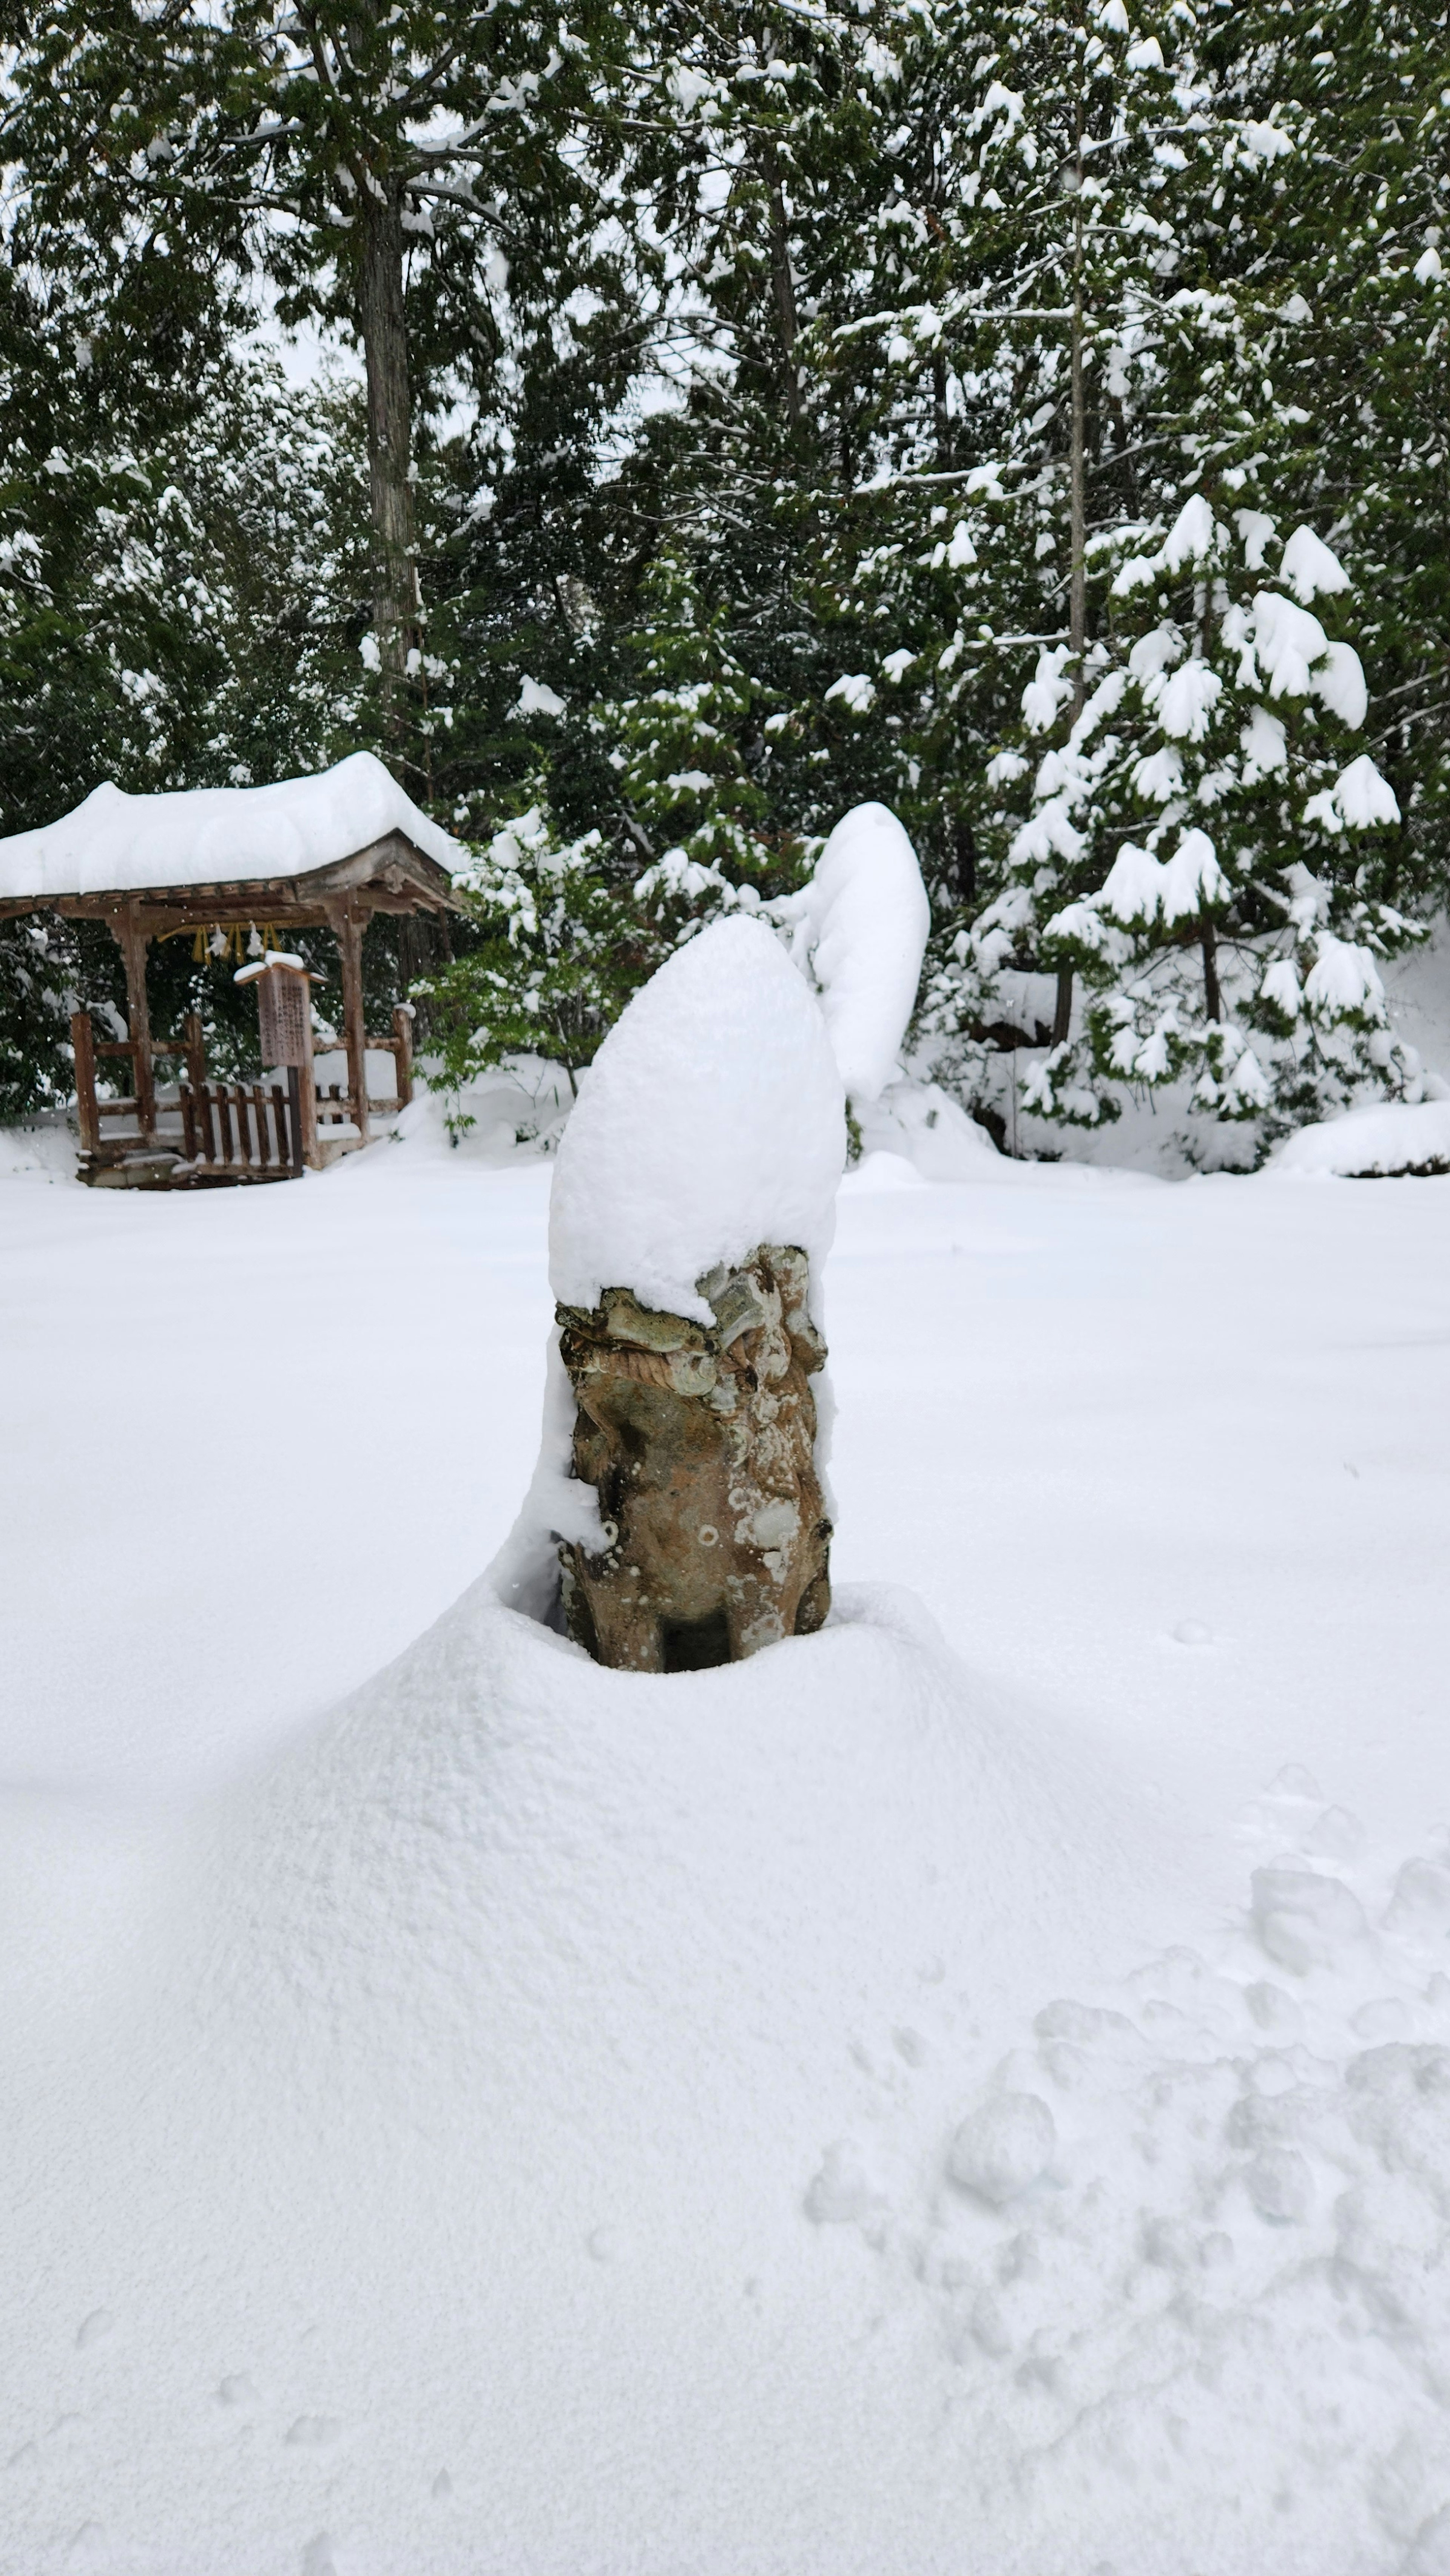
pixel 219 1131
pixel 243 1130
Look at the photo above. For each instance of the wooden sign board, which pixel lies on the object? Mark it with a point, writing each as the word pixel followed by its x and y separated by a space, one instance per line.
pixel 284 1003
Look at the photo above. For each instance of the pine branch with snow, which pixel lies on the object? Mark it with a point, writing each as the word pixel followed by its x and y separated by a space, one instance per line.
pixel 1234 936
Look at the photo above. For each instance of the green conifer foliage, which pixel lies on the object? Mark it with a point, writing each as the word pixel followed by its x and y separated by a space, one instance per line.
pixel 1234 940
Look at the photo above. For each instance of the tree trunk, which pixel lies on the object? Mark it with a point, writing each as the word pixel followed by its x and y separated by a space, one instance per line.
pixel 966 857
pixel 784 282
pixel 1077 596
pixel 941 424
pixel 1077 533
pixel 381 322
pixel 1212 999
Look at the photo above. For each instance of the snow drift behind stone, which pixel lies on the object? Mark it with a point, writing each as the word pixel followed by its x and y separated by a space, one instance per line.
pixel 216 835
pixel 709 1122
pixel 860 930
pixel 1385 1136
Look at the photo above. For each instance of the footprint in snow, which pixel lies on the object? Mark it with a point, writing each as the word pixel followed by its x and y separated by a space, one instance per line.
pixel 1004 2148
pixel 236 2390
pixel 312 2432
pixel 442 2486
pixel 606 2244
pixel 90 2331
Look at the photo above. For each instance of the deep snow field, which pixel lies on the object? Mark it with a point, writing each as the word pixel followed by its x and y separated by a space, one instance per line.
pixel 963 2094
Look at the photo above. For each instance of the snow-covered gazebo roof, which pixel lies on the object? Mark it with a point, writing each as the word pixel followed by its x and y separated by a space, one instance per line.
pixel 325 852
pixel 347 830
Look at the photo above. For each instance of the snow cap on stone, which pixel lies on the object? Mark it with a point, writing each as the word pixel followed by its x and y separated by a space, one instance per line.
pixel 860 933
pixel 710 1121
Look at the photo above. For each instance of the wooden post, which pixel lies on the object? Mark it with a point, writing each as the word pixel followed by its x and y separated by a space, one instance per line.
pixel 299 1085
pixel 195 1050
pixel 83 1042
pixel 130 937
pixel 284 1004
pixel 302 1095
pixel 403 1032
pixel 349 948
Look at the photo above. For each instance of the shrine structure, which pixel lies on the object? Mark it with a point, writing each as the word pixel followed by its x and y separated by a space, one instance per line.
pixel 325 852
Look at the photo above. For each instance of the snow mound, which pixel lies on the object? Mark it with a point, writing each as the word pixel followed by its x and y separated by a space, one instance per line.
pixel 859 931
pixel 710 1121
pixel 921 1122
pixel 1393 1136
pixel 201 835
pixel 44 1149
pixel 584 2097
pixel 442 2116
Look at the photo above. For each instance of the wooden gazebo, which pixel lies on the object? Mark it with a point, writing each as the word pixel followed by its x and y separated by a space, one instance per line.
pixel 322 852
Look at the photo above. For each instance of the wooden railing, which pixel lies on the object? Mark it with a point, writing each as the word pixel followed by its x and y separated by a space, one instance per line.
pixel 227 1130
pixel 243 1130
pixel 400 1047
pixel 337 1103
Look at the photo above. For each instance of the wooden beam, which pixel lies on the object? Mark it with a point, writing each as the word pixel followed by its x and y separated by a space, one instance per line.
pixel 302 1093
pixel 403 1034
pixel 83 1042
pixel 195 1049
pixel 349 930
pixel 393 866
pixel 130 936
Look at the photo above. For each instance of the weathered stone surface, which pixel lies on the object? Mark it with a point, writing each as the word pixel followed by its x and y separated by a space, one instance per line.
pixel 700 1443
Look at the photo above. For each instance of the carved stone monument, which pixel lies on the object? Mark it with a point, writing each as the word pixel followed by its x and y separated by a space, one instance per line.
pixel 700 1444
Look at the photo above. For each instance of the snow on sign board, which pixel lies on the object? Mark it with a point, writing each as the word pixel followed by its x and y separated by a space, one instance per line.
pixel 284 991
pixel 217 835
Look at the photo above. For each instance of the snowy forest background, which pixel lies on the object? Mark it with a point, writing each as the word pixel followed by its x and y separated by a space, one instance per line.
pixel 1033 417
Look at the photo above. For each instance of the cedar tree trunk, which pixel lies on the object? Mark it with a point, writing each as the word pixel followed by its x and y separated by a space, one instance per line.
pixel 383 329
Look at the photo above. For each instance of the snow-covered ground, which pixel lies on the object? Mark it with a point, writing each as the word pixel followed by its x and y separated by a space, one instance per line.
pixel 858 2111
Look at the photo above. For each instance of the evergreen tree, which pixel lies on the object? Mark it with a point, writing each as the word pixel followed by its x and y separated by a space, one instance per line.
pixel 557 954
pixel 413 176
pixel 1234 945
